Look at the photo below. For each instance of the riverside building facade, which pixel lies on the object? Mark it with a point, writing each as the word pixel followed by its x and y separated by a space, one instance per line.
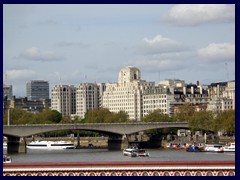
pixel 138 97
pixel 64 99
pixel 135 96
pixel 88 96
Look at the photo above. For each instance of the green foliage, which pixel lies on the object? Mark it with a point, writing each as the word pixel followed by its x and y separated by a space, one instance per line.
pixel 56 116
pixel 19 116
pixel 207 121
pixel 157 116
pixel 103 115
pixel 202 120
pixel 225 120
pixel 184 113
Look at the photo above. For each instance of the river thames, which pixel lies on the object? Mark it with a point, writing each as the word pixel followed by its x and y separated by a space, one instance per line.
pixel 97 155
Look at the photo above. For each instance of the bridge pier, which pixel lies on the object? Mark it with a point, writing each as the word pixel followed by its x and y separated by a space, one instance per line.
pixel 78 141
pixel 117 142
pixel 16 145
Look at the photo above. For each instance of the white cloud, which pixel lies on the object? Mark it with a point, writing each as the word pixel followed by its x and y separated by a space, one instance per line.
pixel 159 45
pixel 20 74
pixel 36 54
pixel 218 52
pixel 195 14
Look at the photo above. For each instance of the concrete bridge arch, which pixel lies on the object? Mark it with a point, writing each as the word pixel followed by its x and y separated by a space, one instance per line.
pixel 115 128
pixel 18 132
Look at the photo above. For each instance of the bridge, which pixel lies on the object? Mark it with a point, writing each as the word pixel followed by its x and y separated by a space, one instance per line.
pixel 127 168
pixel 17 133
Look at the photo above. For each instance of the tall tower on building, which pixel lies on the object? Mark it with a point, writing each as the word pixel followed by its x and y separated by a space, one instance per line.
pixel 37 90
pixel 126 95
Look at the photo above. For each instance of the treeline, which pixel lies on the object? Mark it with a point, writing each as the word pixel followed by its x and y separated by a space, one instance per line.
pixel 48 116
pixel 19 116
pixel 206 121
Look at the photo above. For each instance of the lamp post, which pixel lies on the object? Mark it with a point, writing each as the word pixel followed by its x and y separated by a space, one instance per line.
pixel 8 117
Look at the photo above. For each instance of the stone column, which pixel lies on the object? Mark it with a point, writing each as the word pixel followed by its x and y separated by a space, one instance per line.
pixel 78 141
pixel 16 145
pixel 117 142
pixel 125 142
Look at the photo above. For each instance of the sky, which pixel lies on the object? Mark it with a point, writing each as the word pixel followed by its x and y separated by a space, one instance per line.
pixel 70 44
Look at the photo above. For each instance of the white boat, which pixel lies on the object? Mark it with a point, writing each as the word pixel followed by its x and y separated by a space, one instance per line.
pixel 7 159
pixel 135 152
pixel 50 145
pixel 230 148
pixel 213 148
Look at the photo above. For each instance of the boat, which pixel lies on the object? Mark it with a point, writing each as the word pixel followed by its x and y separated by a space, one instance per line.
pixel 135 152
pixel 193 148
pixel 214 148
pixel 7 159
pixel 230 148
pixel 50 145
pixel 142 153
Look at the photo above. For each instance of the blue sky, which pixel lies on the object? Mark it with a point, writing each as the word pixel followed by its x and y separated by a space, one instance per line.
pixel 71 44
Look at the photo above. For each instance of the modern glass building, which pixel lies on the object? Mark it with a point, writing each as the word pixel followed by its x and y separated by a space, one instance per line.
pixel 37 90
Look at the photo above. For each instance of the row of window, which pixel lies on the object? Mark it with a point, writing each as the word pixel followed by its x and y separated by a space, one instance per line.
pixel 148 111
pixel 154 101
pixel 155 97
pixel 155 106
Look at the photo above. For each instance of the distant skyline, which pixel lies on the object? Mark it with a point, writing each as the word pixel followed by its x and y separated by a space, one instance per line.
pixel 71 44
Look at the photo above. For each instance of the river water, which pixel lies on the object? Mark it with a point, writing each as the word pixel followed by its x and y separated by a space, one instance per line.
pixel 95 155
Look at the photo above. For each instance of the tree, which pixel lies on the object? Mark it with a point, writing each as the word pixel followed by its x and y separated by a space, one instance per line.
pixel 225 120
pixel 156 116
pixel 201 121
pixel 97 115
pixel 119 117
pixel 56 116
pixel 184 113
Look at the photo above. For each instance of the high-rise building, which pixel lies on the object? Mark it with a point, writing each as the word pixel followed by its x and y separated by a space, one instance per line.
pixel 64 99
pixel 37 90
pixel 88 96
pixel 126 95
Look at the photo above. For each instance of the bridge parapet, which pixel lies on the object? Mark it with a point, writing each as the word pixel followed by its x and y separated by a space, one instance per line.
pixel 152 168
pixel 117 128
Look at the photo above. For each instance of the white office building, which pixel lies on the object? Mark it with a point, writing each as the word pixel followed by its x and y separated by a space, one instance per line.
pixel 64 99
pixel 88 96
pixel 158 97
pixel 126 94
